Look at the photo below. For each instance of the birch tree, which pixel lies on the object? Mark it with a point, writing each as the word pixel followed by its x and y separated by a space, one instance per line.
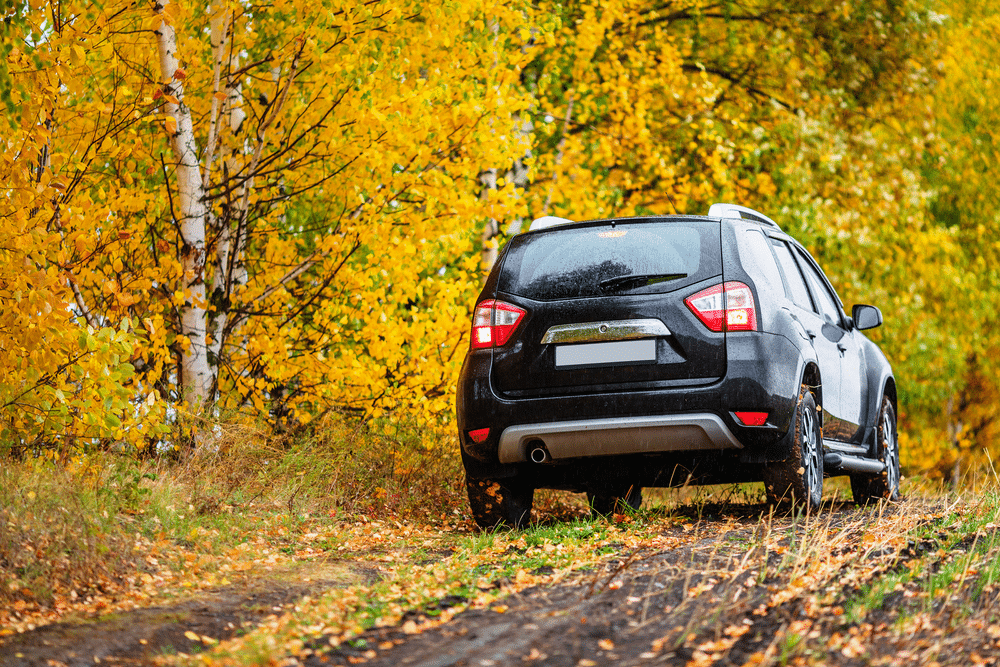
pixel 280 198
pixel 192 214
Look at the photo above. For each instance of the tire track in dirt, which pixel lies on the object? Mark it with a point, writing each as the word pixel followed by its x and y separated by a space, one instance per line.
pixel 136 637
pixel 734 585
pixel 739 589
pixel 615 614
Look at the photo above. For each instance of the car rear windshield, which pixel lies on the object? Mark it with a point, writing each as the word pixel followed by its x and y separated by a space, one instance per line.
pixel 631 257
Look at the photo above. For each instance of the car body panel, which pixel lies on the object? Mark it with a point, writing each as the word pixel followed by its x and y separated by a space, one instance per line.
pixel 642 400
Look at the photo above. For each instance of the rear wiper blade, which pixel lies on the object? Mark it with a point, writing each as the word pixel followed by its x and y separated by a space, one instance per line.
pixel 638 280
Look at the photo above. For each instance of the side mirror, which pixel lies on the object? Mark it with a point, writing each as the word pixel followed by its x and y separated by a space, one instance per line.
pixel 866 317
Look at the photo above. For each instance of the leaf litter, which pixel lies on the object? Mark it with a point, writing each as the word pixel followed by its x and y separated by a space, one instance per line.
pixel 732 584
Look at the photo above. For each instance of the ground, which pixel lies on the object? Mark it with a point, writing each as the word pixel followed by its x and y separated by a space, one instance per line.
pixel 137 636
pixel 732 584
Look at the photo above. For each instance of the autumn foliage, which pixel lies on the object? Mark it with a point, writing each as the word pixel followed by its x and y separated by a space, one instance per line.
pixel 272 213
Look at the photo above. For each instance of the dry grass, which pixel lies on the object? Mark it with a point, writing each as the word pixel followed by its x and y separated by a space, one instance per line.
pixel 75 527
pixel 397 501
pixel 62 529
pixel 336 467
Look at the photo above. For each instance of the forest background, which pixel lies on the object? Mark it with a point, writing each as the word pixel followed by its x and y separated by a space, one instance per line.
pixel 276 216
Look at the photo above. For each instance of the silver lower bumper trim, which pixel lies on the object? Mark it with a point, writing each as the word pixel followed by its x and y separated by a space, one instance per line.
pixel 613 436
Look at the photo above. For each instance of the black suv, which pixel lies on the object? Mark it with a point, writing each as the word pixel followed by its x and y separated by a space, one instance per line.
pixel 612 355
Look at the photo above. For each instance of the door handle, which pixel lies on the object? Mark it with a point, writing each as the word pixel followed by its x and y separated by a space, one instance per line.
pixel 812 334
pixel 842 348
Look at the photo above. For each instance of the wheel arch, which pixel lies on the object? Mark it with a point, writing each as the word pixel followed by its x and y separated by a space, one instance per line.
pixel 881 383
pixel 889 389
pixel 812 379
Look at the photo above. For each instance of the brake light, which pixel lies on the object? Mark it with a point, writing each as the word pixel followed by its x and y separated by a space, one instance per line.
pixel 728 307
pixel 479 435
pixel 494 323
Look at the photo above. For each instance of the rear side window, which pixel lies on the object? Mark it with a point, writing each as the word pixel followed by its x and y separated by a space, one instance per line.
pixel 757 260
pixel 828 307
pixel 798 292
pixel 599 260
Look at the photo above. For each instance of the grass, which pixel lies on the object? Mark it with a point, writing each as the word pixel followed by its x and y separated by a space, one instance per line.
pixel 956 551
pixel 63 529
pixel 809 567
pixel 92 527
pixel 110 529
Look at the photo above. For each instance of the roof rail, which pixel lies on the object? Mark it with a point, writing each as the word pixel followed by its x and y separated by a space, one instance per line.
pixel 547 221
pixel 739 213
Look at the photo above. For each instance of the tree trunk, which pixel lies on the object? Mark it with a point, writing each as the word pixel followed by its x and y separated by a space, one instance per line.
pixel 196 371
pixel 230 270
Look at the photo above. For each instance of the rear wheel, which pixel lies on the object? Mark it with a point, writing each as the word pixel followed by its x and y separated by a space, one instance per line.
pixel 607 505
pixel 500 503
pixel 869 488
pixel 799 478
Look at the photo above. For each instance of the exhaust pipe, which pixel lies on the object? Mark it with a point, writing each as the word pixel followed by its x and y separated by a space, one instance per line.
pixel 539 454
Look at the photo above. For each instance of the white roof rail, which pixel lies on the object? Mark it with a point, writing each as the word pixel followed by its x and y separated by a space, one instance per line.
pixel 739 213
pixel 547 221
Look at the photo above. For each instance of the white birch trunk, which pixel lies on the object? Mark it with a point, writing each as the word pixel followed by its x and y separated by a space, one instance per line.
pixel 230 269
pixel 197 377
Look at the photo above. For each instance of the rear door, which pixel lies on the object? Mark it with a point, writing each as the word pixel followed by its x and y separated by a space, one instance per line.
pixel 815 308
pixel 853 390
pixel 605 308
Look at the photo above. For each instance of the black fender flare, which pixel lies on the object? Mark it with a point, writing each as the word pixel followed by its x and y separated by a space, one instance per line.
pixel 807 370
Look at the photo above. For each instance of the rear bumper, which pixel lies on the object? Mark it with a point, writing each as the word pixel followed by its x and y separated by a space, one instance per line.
pixel 617 436
pixel 764 372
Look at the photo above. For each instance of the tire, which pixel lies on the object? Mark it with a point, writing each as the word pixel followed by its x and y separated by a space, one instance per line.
pixel 499 503
pixel 799 478
pixel 607 505
pixel 884 485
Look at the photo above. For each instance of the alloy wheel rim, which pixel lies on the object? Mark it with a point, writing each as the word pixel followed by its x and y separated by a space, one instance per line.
pixel 810 451
pixel 890 452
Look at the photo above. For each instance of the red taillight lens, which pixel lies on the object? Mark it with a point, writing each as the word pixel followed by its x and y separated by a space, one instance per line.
pixel 752 418
pixel 494 323
pixel 479 435
pixel 728 307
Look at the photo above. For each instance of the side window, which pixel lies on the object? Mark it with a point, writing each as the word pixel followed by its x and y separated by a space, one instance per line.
pixel 828 307
pixel 797 290
pixel 758 262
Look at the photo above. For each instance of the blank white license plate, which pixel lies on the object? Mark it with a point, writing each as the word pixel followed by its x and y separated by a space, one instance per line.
pixel 606 354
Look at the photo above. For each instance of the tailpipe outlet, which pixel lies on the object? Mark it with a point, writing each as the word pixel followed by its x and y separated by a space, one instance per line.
pixel 539 454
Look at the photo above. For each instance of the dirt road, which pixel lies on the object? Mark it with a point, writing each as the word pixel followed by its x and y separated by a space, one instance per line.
pixel 779 591
pixel 733 586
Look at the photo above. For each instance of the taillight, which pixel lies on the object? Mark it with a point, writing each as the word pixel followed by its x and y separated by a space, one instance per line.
pixel 494 323
pixel 729 306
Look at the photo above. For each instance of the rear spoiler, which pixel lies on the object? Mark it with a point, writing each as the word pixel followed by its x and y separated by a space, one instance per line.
pixel 547 221
pixel 733 211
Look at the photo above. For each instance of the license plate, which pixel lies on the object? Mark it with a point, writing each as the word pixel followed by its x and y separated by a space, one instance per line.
pixel 614 353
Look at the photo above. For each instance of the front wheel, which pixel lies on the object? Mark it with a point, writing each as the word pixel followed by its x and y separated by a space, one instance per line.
pixel 500 503
pixel 883 485
pixel 799 478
